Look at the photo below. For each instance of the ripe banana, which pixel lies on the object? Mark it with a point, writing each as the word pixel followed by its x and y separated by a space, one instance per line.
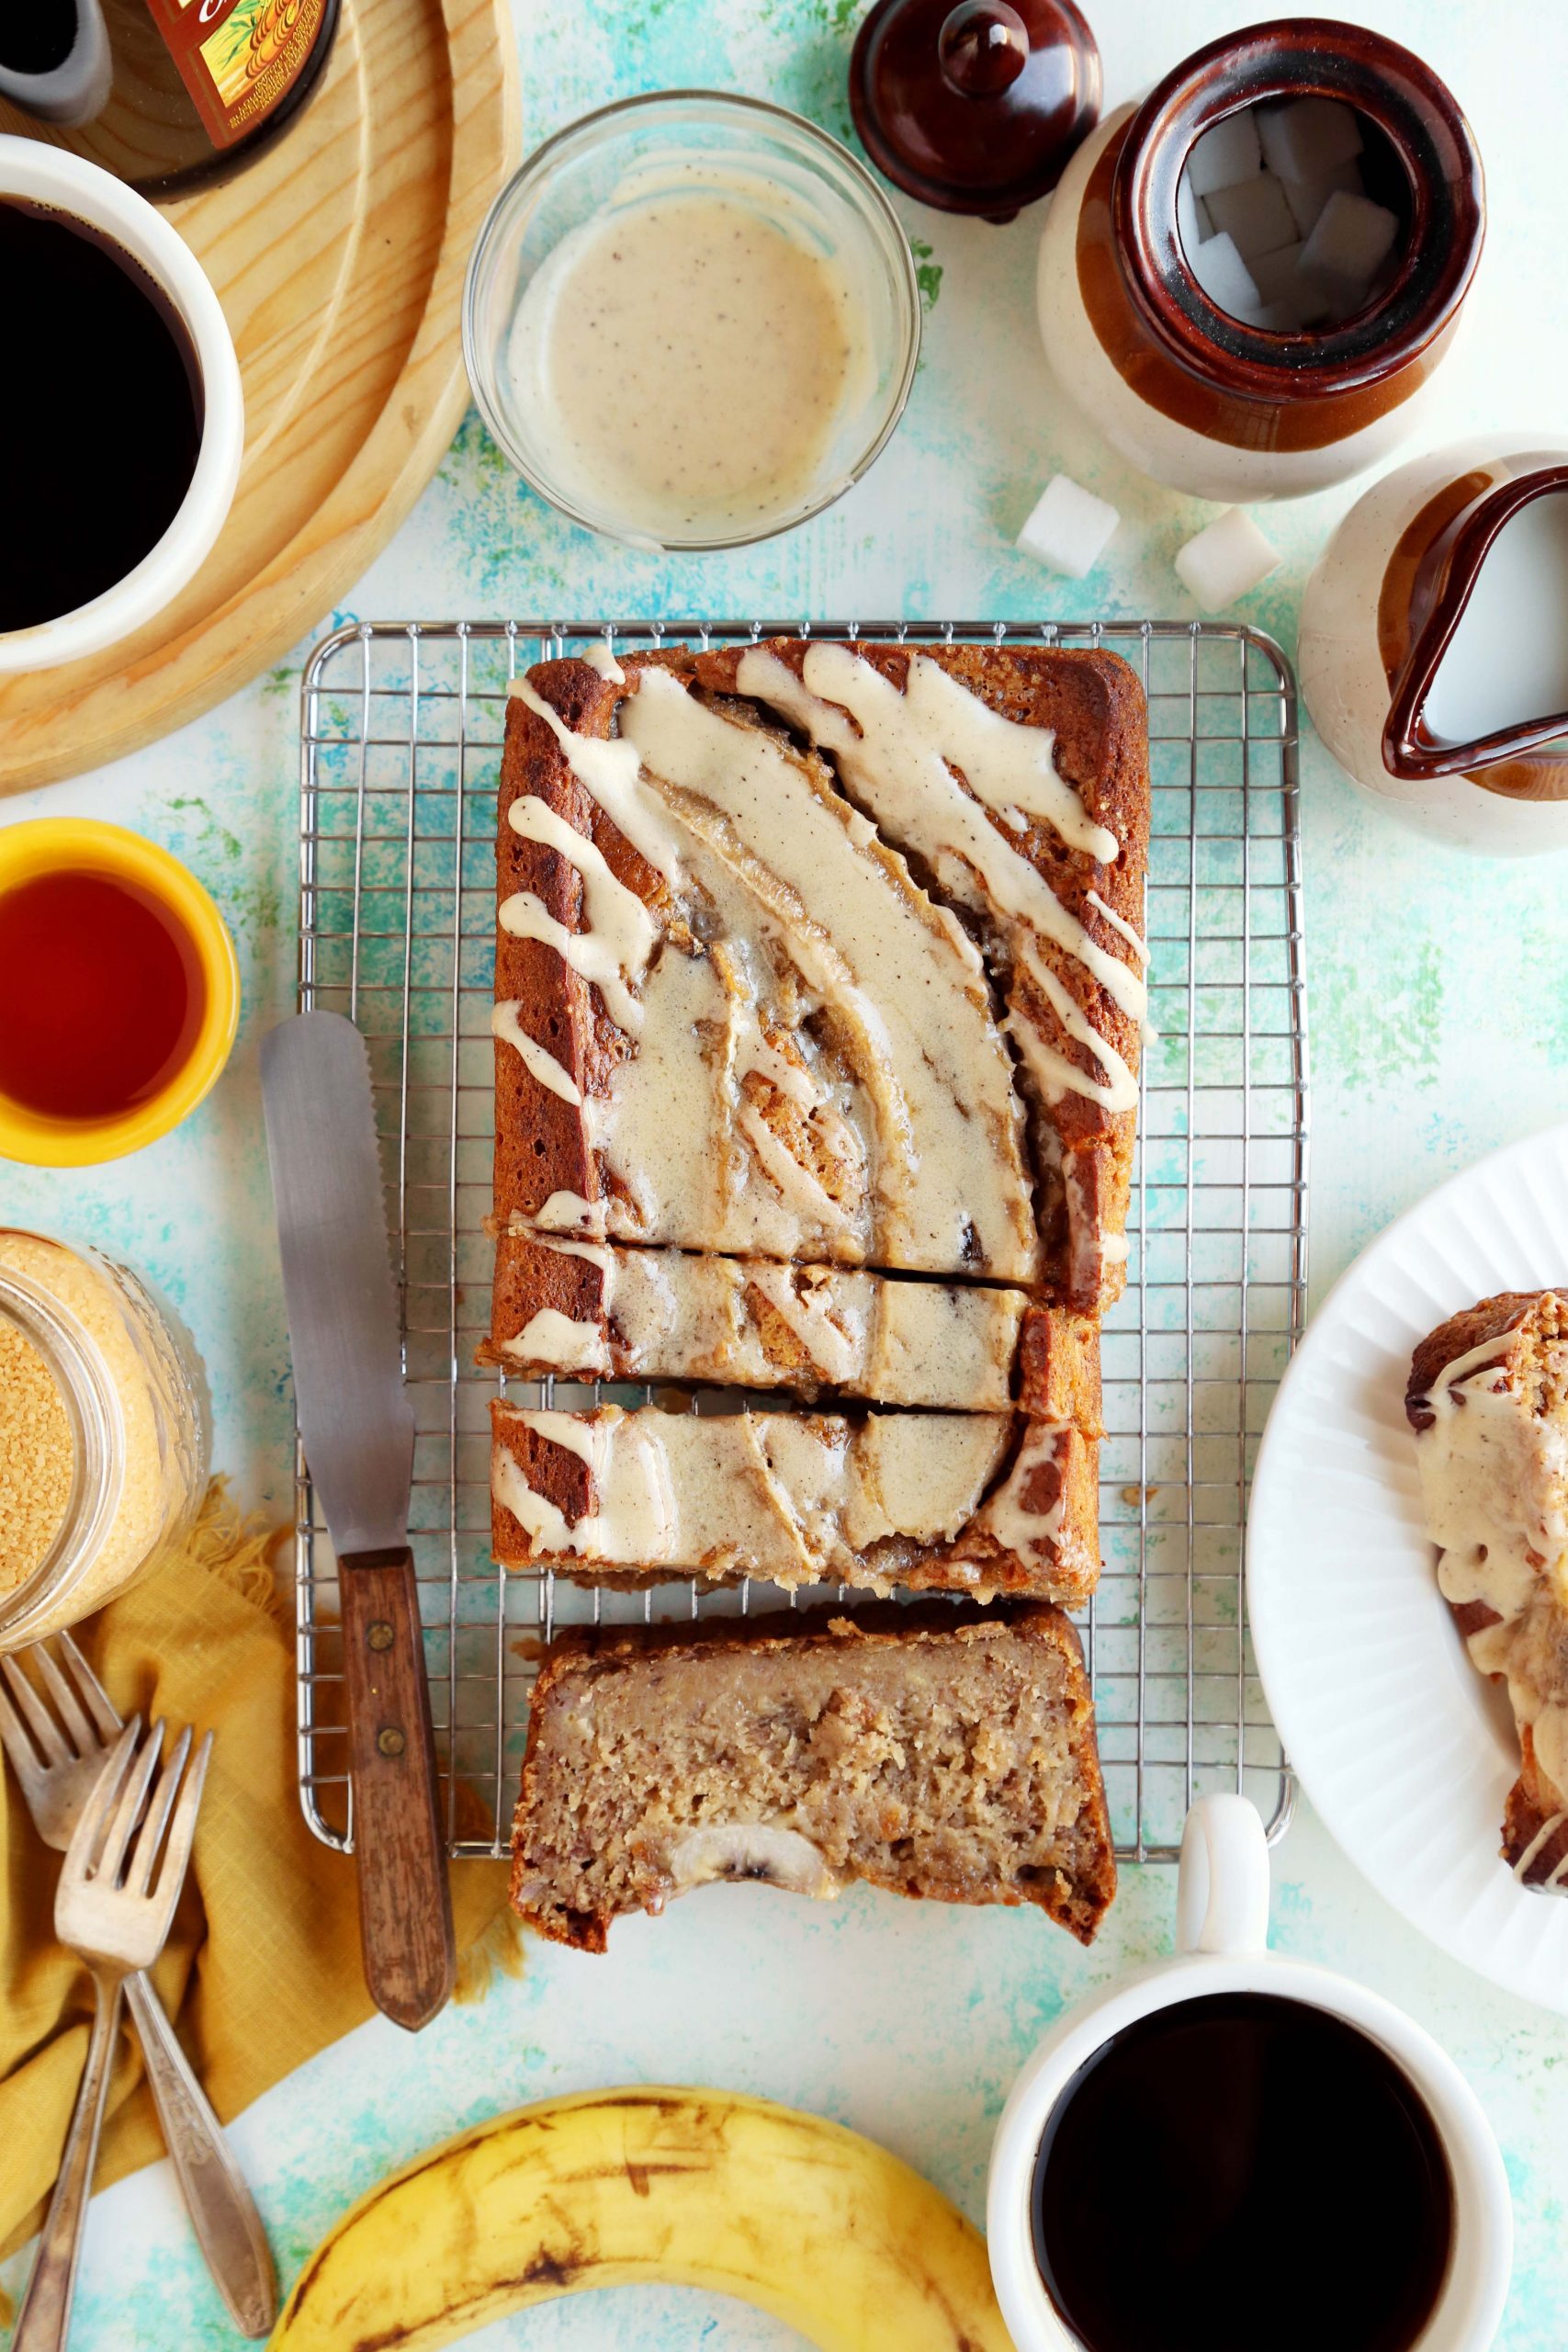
pixel 700 2188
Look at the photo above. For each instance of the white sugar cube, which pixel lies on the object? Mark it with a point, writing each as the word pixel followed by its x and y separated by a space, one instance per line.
pixel 1283 285
pixel 1253 215
pixel 1192 224
pixel 1222 562
pixel 1308 137
pixel 1228 153
pixel 1352 239
pixel 1070 529
pixel 1306 199
pixel 1223 275
pixel 1275 273
pixel 1280 318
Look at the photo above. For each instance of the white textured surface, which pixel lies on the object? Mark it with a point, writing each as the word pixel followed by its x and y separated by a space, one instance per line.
pixel 1406 1752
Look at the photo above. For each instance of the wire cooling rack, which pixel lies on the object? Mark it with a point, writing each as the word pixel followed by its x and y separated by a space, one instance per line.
pixel 401 732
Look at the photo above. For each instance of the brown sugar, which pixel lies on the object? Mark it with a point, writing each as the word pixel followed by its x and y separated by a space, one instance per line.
pixel 38 1453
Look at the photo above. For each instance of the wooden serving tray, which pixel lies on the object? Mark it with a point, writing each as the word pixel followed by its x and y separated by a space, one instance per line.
pixel 339 259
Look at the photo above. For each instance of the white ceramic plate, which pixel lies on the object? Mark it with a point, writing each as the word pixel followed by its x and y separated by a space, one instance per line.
pixel 1406 1752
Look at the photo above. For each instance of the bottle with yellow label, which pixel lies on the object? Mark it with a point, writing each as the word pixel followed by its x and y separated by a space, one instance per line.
pixel 166 94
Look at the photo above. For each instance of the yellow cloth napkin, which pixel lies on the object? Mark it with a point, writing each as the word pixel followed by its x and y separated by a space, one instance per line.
pixel 263 1968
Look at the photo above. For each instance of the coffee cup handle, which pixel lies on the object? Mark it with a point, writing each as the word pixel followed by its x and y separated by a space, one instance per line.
pixel 1222 1889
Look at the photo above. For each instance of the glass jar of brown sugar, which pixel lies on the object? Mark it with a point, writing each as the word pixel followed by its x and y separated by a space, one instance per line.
pixel 103 1433
pixel 1371 194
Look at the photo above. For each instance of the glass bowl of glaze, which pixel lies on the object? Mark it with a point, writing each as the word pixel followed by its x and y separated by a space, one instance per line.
pixel 690 320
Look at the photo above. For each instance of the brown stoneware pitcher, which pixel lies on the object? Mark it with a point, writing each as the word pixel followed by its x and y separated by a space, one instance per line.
pixel 1434 644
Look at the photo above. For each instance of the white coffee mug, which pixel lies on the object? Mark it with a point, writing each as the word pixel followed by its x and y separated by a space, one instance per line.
pixel 37 174
pixel 1221 1918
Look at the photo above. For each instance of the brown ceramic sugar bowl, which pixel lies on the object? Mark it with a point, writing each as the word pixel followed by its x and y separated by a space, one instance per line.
pixel 1234 408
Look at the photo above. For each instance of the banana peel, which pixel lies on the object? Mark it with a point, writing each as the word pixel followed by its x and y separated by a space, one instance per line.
pixel 786 2211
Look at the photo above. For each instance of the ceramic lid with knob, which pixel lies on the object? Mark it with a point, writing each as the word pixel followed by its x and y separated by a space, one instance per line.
pixel 976 107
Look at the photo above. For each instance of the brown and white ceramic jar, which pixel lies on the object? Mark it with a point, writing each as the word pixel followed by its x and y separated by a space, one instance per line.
pixel 1434 644
pixel 1202 399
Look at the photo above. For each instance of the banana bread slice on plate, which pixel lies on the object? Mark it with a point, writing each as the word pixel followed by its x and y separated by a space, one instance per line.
pixel 599 1310
pixel 1488 1400
pixel 930 1750
pixel 980 1503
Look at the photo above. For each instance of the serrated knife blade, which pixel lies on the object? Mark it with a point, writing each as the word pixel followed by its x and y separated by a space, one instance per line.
pixel 357 1428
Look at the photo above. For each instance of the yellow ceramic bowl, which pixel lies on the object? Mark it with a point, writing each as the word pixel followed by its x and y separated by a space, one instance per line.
pixel 81 845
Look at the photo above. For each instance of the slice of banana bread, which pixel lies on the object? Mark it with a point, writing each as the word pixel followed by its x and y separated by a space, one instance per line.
pixel 598 1310
pixel 931 1750
pixel 1488 1400
pixel 981 1503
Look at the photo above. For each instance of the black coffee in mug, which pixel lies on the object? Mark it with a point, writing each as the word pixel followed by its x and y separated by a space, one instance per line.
pixel 1240 2172
pixel 100 413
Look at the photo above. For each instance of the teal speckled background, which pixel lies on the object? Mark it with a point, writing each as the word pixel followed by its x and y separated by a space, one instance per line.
pixel 1440 1027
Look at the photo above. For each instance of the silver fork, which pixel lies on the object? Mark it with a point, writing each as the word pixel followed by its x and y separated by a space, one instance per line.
pixel 58 1752
pixel 111 1909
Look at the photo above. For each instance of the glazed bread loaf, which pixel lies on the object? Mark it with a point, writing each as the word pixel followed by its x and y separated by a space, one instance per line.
pixel 980 1503
pixel 756 911
pixel 1487 1398
pixel 930 1750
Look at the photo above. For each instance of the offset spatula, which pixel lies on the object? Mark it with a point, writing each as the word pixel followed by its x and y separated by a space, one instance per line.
pixel 357 1428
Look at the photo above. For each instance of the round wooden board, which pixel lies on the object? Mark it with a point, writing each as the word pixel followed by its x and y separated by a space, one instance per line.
pixel 339 259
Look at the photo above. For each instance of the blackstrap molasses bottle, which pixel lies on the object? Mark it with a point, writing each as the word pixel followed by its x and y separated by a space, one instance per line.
pixel 165 94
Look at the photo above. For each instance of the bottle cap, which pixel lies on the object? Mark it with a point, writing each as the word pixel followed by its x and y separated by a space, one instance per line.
pixel 977 107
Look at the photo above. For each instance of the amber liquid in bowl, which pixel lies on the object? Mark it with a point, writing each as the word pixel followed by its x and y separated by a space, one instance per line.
pixel 101 995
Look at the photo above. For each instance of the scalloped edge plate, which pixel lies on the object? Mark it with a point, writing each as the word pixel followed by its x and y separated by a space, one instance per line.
pixel 1406 1751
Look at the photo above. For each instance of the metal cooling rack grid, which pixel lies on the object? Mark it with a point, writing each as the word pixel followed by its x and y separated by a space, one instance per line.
pixel 400 738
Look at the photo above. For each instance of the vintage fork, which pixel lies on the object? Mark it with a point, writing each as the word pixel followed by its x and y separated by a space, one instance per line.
pixel 58 1752
pixel 111 1909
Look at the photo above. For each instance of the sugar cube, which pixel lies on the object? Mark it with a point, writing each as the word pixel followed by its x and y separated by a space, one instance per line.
pixel 1352 239
pixel 1280 318
pixel 1307 137
pixel 1227 152
pixel 1223 275
pixel 1306 199
pixel 1253 215
pixel 1191 225
pixel 1223 561
pixel 1070 529
pixel 1275 273
pixel 1283 285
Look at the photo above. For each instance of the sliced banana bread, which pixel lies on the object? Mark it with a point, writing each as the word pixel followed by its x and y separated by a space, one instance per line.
pixel 982 1503
pixel 596 1309
pixel 931 1750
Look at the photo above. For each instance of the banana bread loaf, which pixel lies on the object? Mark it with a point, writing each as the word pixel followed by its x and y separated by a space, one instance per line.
pixel 931 1750
pixel 731 1018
